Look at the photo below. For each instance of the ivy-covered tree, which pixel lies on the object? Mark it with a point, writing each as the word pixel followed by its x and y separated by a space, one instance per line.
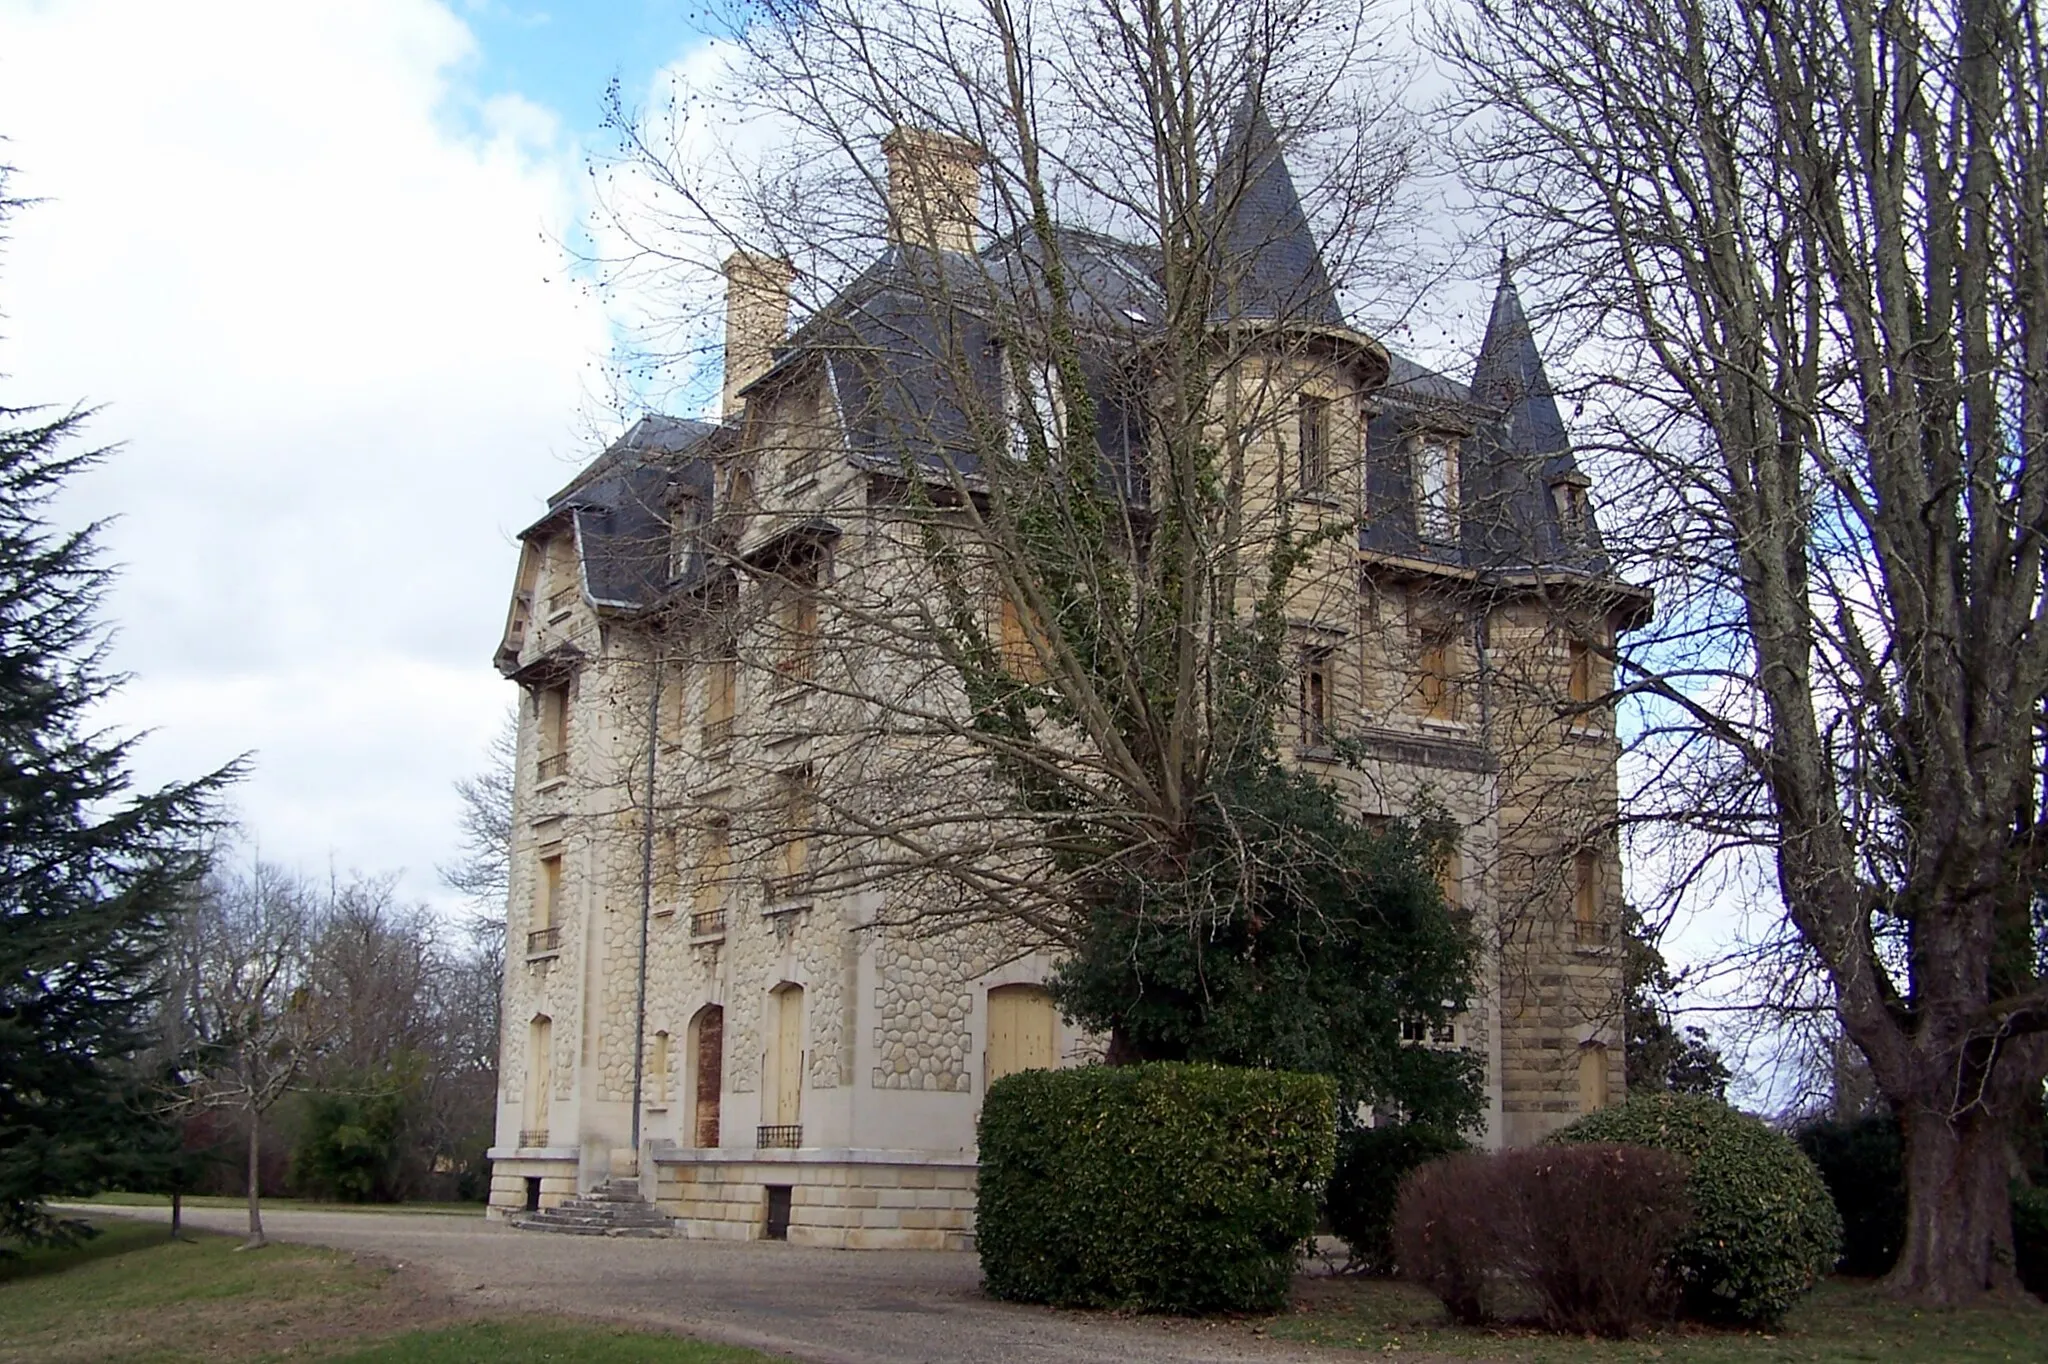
pixel 92 873
pixel 1323 946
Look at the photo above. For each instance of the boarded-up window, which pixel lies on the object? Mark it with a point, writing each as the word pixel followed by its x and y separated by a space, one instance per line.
pixel 1588 926
pixel 553 704
pixel 540 1055
pixel 1450 879
pixel 797 803
pixel 1436 682
pixel 1016 641
pixel 782 1086
pixel 1580 683
pixel 1315 698
pixel 547 893
pixel 1592 1077
pixel 1020 1030
pixel 1312 421
pixel 714 864
pixel 796 613
pixel 657 1068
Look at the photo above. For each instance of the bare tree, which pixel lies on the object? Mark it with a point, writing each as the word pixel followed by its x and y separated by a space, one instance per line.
pixel 1808 252
pixel 243 1010
pixel 1024 678
pixel 482 872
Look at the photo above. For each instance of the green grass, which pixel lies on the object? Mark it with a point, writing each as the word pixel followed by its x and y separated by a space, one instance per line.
pixel 532 1342
pixel 131 1295
pixel 1843 1322
pixel 149 1200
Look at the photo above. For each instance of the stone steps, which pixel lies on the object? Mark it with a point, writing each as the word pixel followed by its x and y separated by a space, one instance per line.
pixel 613 1208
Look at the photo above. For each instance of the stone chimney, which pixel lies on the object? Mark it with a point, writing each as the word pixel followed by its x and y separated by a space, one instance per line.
pixel 934 189
pixel 756 317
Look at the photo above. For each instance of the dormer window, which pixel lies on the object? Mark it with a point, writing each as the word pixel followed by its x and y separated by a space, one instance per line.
pixel 684 526
pixel 1436 488
pixel 1568 495
pixel 1034 405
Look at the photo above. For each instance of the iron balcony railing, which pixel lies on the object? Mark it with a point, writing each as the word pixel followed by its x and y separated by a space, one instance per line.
pixel 542 941
pixel 533 1137
pixel 554 765
pixel 718 735
pixel 779 1136
pixel 1589 933
pixel 708 923
pixel 560 600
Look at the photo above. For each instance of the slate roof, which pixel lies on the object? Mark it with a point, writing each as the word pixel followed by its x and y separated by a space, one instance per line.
pixel 890 357
pixel 620 506
pixel 1269 264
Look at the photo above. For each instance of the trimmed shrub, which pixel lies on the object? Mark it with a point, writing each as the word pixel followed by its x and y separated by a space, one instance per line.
pixel 1447 1233
pixel 1763 1229
pixel 1371 1163
pixel 2030 1238
pixel 1861 1161
pixel 1174 1188
pixel 1587 1231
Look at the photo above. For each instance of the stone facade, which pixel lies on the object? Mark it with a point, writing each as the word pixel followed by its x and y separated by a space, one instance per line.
pixel 810 1059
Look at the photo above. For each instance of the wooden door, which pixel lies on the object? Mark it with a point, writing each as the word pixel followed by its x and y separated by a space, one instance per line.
pixel 710 1072
pixel 789 1057
pixel 1020 1030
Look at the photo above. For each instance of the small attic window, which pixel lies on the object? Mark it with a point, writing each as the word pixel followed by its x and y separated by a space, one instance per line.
pixel 1033 405
pixel 1436 488
pixel 684 525
pixel 1568 495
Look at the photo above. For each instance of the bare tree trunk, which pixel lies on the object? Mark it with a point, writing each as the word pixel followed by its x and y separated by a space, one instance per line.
pixel 177 1213
pixel 256 1237
pixel 1958 1211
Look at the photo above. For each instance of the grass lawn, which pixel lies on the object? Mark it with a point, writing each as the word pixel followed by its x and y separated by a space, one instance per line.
pixel 1844 1320
pixel 133 1296
pixel 150 1200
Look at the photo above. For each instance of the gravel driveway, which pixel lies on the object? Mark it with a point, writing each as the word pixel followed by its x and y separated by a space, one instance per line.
pixel 824 1306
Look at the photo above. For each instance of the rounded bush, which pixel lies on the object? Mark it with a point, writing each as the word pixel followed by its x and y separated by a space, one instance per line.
pixel 1763 1229
pixel 1175 1188
pixel 1371 1163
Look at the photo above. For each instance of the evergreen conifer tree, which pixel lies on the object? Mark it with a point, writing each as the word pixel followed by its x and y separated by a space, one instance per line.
pixel 92 874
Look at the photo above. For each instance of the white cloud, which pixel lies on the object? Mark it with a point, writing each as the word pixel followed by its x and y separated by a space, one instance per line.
pixel 312 275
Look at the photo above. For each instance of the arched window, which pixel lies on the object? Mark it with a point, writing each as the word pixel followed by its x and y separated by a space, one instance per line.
pixel 540 1081
pixel 1592 1077
pixel 1020 1031
pixel 782 1083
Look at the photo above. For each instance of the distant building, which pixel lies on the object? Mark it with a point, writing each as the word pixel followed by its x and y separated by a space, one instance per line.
pixel 798 1063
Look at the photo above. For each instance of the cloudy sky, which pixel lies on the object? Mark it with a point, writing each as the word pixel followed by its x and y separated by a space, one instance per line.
pixel 304 256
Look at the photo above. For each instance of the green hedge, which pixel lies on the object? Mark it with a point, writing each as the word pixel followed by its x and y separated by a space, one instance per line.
pixel 1176 1188
pixel 1863 1164
pixel 1371 1163
pixel 1764 1229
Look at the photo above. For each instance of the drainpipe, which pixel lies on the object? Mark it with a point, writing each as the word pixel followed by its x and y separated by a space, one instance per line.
pixel 646 908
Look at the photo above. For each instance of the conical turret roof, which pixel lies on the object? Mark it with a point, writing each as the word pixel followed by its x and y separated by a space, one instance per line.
pixel 1271 267
pixel 1510 377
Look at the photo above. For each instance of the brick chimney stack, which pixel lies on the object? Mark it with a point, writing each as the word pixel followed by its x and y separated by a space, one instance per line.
pixel 756 318
pixel 934 189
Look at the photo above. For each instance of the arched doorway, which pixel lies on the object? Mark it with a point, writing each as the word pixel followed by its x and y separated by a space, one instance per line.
pixel 707 1050
pixel 540 1081
pixel 1020 1031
